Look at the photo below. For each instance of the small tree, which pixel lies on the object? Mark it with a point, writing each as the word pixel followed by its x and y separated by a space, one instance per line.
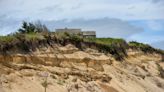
pixel 24 28
pixel 27 28
pixel 32 28
pixel 41 27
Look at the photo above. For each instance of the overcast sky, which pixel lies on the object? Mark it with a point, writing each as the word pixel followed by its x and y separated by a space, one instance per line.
pixel 139 20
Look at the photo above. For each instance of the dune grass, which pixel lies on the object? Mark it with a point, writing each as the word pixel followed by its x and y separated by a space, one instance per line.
pixel 27 39
pixel 7 38
pixel 105 41
pixel 33 36
pixel 144 47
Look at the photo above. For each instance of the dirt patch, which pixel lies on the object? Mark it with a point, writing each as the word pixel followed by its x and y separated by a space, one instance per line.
pixel 107 88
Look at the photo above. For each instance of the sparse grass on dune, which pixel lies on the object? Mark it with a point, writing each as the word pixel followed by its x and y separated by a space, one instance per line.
pixel 116 47
pixel 105 41
pixel 29 36
pixel 27 40
pixel 7 38
pixel 144 47
pixel 33 36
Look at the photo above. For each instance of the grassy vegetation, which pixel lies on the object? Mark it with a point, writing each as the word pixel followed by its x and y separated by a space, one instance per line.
pixel 144 47
pixel 33 36
pixel 7 38
pixel 29 39
pixel 16 37
pixel 116 47
pixel 105 41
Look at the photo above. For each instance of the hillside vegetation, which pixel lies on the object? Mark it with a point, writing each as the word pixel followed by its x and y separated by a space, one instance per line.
pixel 31 36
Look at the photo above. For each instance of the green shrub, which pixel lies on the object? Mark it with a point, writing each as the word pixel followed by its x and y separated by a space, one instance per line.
pixel 144 47
pixel 116 47
pixel 33 36
pixel 27 28
pixel 105 41
pixel 32 28
pixel 7 38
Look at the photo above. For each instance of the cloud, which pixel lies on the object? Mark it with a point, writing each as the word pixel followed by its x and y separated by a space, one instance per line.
pixel 89 14
pixel 52 8
pixel 159 44
pixel 157 1
pixel 8 25
pixel 70 9
pixel 105 27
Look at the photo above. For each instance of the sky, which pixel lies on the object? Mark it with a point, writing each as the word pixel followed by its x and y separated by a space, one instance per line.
pixel 133 20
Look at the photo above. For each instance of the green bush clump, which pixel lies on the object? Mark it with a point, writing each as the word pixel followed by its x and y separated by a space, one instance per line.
pixel 28 38
pixel 144 47
pixel 32 28
pixel 27 28
pixel 116 47
pixel 31 36
pixel 34 36
pixel 105 41
pixel 7 38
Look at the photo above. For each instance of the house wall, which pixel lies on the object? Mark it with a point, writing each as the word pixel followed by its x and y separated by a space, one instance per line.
pixel 89 34
pixel 85 34
pixel 70 31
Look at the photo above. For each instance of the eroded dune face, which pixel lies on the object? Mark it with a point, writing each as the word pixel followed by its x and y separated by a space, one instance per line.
pixel 67 69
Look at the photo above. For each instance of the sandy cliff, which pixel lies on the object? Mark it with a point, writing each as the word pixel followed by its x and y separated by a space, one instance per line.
pixel 67 69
